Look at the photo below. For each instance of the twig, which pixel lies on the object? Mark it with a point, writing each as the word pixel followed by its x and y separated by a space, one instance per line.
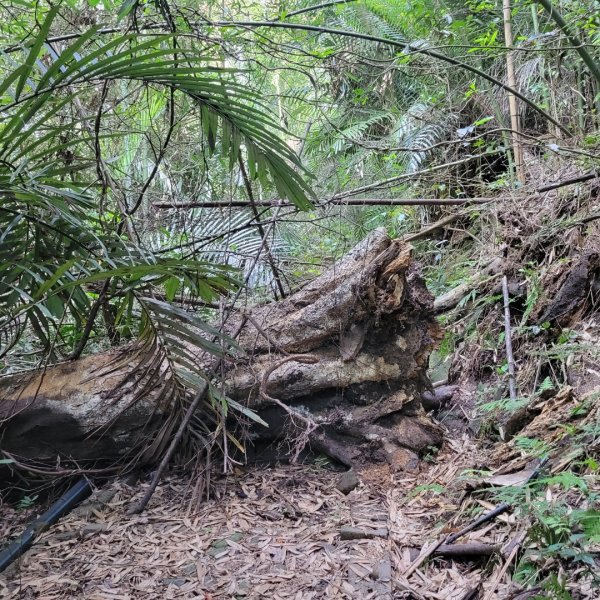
pixel 512 385
pixel 496 580
pixel 261 230
pixel 85 336
pixel 267 337
pixel 571 181
pixel 158 158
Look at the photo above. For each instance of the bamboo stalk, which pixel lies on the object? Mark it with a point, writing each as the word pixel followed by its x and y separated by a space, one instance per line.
pixel 515 121
pixel 338 201
pixel 345 201
pixel 578 45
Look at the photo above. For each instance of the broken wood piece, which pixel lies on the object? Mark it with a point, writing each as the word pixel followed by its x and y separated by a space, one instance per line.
pixel 87 530
pixel 382 571
pixel 466 551
pixel 526 594
pixel 453 297
pixel 507 549
pixel 358 533
pixel 347 482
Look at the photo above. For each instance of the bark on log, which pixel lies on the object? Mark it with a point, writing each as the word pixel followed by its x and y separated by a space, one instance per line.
pixel 367 324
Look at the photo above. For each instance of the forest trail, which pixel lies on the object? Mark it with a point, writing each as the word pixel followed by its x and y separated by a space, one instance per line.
pixel 276 533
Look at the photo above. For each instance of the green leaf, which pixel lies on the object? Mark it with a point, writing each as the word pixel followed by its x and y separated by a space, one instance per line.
pixel 35 50
pixel 171 286
pixel 125 9
pixel 247 412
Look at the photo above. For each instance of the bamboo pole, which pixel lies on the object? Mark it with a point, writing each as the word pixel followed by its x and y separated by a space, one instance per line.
pixel 338 201
pixel 515 121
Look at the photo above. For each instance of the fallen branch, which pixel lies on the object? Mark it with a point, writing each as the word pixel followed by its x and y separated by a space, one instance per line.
pixel 343 201
pixel 359 533
pixel 571 181
pixel 512 385
pixel 455 296
pixel 426 231
pixel 466 551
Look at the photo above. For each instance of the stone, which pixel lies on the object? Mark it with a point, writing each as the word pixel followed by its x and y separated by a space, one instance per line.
pixel 347 482
pixel 402 459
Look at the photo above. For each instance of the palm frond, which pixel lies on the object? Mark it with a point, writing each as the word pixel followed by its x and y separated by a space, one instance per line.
pixel 62 215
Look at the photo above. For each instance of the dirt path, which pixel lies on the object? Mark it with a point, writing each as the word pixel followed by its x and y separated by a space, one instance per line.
pixel 275 534
pixel 270 534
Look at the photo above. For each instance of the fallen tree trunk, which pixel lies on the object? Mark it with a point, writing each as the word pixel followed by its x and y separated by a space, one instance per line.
pixel 364 330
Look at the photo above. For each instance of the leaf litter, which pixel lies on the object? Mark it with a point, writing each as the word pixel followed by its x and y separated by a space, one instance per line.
pixel 275 533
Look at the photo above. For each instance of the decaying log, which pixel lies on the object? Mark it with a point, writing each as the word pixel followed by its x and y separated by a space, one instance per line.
pixel 71 411
pixel 366 324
